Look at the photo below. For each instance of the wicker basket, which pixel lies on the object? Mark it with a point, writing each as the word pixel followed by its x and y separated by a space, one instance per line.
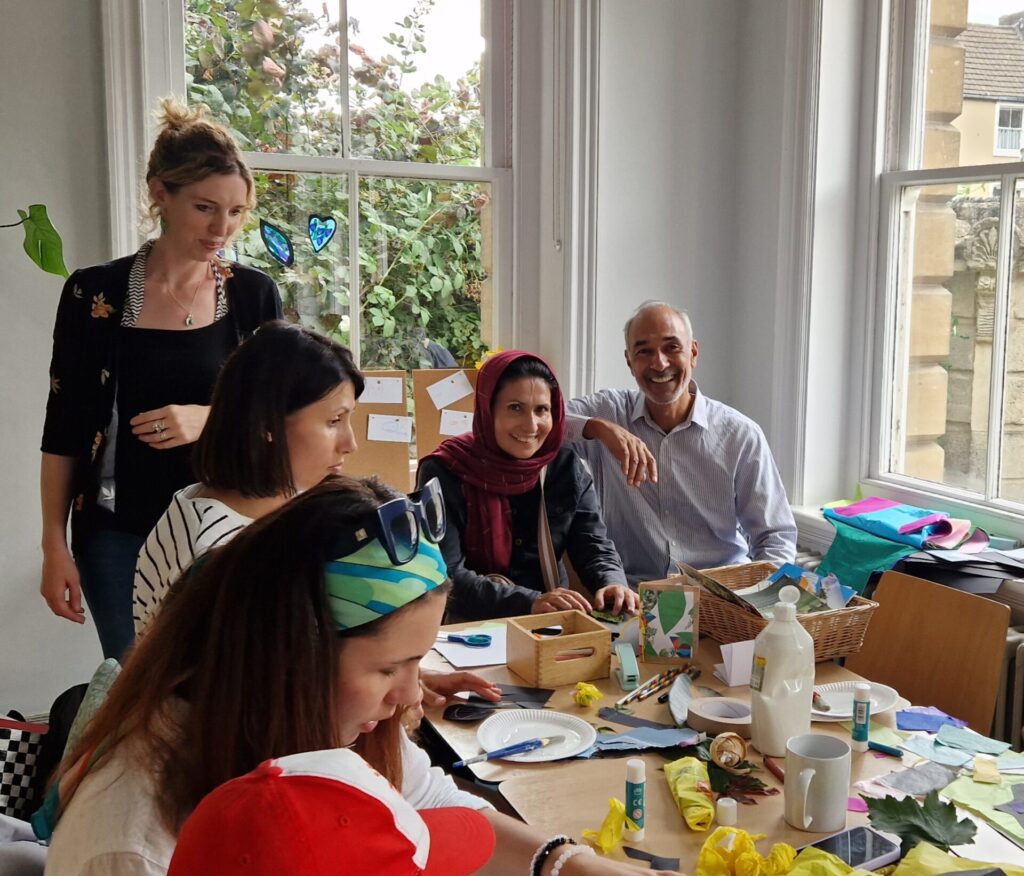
pixel 835 633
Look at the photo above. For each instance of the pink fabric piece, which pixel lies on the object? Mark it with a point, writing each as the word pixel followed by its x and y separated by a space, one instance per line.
pixel 921 523
pixel 949 534
pixel 865 506
pixel 977 542
pixel 856 804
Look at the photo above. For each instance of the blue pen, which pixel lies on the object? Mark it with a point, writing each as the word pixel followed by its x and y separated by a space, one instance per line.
pixel 516 748
pixel 885 749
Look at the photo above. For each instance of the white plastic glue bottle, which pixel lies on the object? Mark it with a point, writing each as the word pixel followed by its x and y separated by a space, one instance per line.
pixel 781 679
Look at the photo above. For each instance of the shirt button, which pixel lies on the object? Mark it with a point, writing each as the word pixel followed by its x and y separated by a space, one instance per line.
pixel 518 542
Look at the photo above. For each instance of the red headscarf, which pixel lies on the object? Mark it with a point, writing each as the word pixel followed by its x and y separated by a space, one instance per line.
pixel 489 475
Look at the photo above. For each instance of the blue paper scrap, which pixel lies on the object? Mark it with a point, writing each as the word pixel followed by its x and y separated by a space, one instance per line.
pixel 926 718
pixel 928 748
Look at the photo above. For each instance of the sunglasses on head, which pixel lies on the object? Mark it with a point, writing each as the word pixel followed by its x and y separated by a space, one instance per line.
pixel 398 525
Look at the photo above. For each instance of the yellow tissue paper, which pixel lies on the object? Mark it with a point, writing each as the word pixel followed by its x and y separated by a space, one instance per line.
pixel 610 833
pixel 586 694
pixel 691 789
pixel 925 860
pixel 730 851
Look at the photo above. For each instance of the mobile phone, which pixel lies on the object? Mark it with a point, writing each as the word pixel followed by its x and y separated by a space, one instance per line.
pixel 860 847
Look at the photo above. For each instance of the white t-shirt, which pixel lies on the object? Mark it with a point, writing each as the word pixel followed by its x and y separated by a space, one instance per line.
pixel 112 826
pixel 189 527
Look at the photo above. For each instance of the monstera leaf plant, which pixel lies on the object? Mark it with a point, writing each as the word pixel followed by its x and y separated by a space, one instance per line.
pixel 42 242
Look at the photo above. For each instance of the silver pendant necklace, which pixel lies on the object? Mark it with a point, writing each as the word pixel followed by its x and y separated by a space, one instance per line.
pixel 189 319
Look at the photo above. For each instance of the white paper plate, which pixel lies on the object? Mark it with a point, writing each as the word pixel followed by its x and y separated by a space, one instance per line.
pixel 518 725
pixel 839 695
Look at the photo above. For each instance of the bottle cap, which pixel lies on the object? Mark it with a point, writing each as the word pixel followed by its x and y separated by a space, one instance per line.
pixel 862 692
pixel 785 608
pixel 725 811
pixel 635 771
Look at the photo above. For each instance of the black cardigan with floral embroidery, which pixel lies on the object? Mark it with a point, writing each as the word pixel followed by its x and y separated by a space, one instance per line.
pixel 83 374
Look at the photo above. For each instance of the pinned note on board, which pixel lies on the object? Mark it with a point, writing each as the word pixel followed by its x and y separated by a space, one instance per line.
pixel 456 422
pixel 384 428
pixel 449 390
pixel 382 391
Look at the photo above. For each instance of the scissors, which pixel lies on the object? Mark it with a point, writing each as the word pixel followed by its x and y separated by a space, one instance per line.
pixel 474 640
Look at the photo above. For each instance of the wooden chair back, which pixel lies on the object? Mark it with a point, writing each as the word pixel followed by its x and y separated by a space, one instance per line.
pixel 937 646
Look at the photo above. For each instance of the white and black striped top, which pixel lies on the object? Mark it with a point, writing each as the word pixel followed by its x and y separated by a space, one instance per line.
pixel 189 527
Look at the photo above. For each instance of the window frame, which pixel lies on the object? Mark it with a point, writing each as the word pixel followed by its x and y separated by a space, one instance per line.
pixel 1008 153
pixel 142 65
pixel 901 107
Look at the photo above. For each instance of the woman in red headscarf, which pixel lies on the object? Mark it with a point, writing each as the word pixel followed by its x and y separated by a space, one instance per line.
pixel 503 556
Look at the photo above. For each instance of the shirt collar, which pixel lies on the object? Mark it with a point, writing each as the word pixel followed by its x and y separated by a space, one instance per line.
pixel 698 411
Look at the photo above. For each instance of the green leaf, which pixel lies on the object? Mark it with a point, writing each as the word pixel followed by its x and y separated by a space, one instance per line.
pixel 42 242
pixel 933 822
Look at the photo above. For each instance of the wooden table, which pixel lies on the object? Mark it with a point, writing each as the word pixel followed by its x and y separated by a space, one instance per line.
pixel 570 796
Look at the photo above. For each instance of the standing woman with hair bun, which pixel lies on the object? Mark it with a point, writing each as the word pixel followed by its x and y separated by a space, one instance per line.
pixel 137 346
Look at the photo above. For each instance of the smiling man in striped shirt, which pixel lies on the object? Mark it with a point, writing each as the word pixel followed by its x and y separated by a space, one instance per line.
pixel 680 476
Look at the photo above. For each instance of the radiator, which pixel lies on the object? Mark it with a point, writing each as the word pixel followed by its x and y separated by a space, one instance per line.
pixel 1009 719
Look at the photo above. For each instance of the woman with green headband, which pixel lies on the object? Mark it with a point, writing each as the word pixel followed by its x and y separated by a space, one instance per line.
pixel 304 633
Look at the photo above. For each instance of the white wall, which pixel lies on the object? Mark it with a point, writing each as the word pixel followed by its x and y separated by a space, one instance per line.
pixel 52 151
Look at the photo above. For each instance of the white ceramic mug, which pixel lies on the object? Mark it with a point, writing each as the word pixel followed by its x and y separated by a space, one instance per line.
pixel 817 786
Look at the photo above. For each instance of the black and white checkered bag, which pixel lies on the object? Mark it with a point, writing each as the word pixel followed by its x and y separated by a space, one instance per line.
pixel 19 748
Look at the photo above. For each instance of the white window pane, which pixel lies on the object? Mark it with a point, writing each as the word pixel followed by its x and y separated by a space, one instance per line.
pixel 1011 471
pixel 268 69
pixel 315 288
pixel 414 80
pixel 425 268
pixel 949 237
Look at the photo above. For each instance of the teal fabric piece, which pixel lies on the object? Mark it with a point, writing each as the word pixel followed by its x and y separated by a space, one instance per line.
pixel 855 554
pixel 95 694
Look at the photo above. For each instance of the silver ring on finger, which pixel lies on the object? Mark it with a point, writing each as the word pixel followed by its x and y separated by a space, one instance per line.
pixel 159 427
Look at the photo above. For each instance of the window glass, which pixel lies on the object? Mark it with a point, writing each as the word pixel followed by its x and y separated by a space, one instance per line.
pixel 973 62
pixel 310 211
pixel 1011 472
pixel 425 267
pixel 414 80
pixel 268 69
pixel 944 324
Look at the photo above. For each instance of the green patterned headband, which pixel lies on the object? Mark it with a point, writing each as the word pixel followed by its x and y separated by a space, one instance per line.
pixel 366 585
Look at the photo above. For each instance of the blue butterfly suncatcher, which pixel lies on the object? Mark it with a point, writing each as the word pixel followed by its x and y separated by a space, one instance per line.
pixel 321 230
pixel 277 243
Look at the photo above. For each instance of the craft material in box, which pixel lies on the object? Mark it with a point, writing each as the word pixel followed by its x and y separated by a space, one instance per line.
pixel 581 652
pixel 668 620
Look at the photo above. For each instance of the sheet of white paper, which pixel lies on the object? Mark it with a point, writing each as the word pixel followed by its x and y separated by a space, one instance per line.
pixel 737 659
pixel 382 428
pixel 465 656
pixel 450 390
pixel 456 422
pixel 382 391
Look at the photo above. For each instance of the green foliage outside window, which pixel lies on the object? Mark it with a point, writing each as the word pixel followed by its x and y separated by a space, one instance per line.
pixel 269 70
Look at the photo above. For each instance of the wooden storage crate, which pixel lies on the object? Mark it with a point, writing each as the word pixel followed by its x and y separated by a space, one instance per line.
pixel 836 633
pixel 535 658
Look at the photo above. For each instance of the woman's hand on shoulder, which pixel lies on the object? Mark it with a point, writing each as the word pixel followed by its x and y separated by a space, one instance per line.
pixel 170 426
pixel 616 598
pixel 560 599
pixel 61 586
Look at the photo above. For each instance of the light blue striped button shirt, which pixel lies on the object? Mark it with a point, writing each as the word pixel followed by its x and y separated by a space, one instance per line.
pixel 718 500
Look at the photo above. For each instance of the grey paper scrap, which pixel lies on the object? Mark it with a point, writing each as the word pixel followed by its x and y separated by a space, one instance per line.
pixel 921 779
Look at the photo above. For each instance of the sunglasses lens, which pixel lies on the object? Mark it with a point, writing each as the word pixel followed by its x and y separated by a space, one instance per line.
pixel 404 536
pixel 433 514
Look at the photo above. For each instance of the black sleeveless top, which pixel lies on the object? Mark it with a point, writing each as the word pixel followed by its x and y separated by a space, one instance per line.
pixel 159 367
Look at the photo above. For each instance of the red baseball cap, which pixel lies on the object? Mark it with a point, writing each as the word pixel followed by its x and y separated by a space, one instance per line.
pixel 324 813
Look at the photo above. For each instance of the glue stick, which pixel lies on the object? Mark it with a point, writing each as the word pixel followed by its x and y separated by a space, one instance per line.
pixel 861 717
pixel 636 781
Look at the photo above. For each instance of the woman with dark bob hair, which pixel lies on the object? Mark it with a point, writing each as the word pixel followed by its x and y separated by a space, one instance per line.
pixel 137 345
pixel 518 501
pixel 279 424
pixel 303 634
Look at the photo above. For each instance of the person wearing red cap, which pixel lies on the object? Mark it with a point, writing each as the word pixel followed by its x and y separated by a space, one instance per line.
pixel 303 634
pixel 320 812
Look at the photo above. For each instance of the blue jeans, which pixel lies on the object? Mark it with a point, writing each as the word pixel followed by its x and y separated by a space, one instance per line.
pixel 106 566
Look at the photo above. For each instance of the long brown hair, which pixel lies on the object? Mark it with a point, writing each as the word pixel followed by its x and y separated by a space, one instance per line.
pixel 242 662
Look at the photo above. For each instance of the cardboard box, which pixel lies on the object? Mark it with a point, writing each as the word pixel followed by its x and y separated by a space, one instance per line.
pixel 581 652
pixel 669 614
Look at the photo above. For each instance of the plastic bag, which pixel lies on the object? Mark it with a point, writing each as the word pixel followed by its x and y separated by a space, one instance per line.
pixel 691 789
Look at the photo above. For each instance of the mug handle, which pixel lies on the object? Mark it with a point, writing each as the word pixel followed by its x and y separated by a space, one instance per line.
pixel 805 786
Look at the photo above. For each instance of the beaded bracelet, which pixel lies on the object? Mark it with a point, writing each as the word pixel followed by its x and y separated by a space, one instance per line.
pixel 570 852
pixel 544 852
